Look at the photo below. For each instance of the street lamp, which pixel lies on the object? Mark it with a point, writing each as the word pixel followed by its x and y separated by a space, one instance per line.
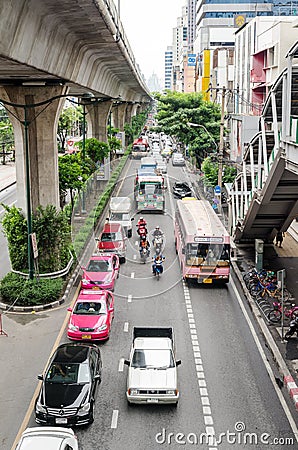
pixel 190 124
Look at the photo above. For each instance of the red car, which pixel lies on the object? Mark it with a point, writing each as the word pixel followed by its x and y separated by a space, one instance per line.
pixel 113 240
pixel 101 272
pixel 92 315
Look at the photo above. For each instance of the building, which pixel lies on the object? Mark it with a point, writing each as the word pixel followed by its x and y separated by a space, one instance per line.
pixel 168 68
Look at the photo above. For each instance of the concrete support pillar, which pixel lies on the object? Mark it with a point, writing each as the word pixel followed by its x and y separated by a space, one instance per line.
pixel 119 114
pixel 128 113
pixel 97 119
pixel 40 122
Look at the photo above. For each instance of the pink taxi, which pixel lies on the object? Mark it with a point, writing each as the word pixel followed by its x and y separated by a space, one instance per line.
pixel 101 272
pixel 92 315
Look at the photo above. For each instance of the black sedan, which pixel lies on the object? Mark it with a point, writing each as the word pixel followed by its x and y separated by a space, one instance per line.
pixel 69 386
pixel 182 189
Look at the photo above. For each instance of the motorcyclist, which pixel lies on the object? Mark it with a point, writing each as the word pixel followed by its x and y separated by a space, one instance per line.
pixel 141 222
pixel 157 260
pixel 142 227
pixel 157 232
pixel 144 243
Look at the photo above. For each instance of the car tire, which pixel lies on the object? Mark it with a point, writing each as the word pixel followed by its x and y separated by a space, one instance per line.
pixel 91 419
pixel 122 259
pixel 129 233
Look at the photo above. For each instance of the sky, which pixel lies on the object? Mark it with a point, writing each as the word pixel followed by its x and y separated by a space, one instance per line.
pixel 148 25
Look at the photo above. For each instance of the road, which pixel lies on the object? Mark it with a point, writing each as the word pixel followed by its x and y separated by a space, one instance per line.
pixel 225 383
pixel 8 197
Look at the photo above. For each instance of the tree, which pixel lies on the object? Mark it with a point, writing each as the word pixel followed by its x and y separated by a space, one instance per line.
pixel 69 124
pixel 52 233
pixel 210 170
pixel 71 176
pixel 176 110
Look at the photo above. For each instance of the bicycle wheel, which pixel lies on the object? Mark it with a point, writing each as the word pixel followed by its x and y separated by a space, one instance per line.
pixel 274 316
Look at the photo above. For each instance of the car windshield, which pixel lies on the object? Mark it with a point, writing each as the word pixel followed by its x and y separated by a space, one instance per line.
pixel 151 189
pixel 90 308
pixel 206 252
pixel 119 216
pixel 68 373
pixel 182 186
pixel 106 237
pixel 99 266
pixel 158 359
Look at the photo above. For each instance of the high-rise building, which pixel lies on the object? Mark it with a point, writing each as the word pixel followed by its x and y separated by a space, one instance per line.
pixel 168 68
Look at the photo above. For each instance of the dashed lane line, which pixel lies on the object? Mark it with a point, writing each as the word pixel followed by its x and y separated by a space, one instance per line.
pixel 207 413
pixel 115 415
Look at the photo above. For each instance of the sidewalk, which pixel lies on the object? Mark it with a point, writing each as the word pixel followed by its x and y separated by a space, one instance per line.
pixel 7 175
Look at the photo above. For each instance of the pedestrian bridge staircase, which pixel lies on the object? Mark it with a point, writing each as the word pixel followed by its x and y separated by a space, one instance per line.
pixel 264 196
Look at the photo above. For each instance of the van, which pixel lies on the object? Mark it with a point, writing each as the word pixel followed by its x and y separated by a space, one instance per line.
pixel 112 239
pixel 120 212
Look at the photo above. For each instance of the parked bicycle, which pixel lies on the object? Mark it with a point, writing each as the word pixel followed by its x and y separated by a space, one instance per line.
pixel 276 313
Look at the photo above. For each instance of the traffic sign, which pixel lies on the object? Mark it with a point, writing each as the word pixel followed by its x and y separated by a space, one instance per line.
pixel 217 190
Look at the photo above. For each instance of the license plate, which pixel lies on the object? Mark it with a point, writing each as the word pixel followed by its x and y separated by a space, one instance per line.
pixel 207 280
pixel 61 420
pixel 86 336
pixel 152 400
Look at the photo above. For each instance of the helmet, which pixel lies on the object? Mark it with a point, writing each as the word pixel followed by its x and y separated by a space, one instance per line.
pixel 141 218
pixel 157 227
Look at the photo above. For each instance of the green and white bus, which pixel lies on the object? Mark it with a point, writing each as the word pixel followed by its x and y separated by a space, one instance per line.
pixel 150 193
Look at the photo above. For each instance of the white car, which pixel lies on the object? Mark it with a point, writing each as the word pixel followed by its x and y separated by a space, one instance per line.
pixel 48 438
pixel 178 159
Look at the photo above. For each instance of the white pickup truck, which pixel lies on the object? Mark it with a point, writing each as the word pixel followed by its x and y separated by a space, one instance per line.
pixel 152 368
pixel 120 212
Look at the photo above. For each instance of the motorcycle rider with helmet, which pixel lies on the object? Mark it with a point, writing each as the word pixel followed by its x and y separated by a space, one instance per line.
pixel 157 261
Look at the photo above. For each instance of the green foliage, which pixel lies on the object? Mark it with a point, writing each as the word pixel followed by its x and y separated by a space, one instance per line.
pixel 14 226
pixel 95 150
pixel 53 238
pixel 6 134
pixel 176 110
pixel 15 289
pixel 52 234
pixel 210 170
pixel 69 124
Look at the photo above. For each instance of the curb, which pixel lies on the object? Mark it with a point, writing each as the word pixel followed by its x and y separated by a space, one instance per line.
pixel 292 389
pixel 8 186
pixel 281 363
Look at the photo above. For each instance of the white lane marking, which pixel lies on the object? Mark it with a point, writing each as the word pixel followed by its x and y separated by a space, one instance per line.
pixel 208 419
pixel 114 418
pixel 136 243
pixel 266 363
pixel 125 328
pixel 121 365
pixel 129 298
pixel 132 275
pixel 134 256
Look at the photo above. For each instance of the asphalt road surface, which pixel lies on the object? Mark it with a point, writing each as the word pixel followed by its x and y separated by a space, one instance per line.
pixel 226 388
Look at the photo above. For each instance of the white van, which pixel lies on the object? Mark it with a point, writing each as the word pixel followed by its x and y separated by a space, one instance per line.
pixel 120 212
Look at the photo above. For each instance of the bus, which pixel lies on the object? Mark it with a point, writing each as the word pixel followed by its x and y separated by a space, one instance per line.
pixel 140 148
pixel 202 242
pixel 150 193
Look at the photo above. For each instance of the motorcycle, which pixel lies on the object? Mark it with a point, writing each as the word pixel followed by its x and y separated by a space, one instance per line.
pixel 157 244
pixel 158 268
pixel 144 253
pixel 293 329
pixel 142 231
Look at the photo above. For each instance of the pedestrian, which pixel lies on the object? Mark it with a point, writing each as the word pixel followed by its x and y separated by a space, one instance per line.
pixel 279 238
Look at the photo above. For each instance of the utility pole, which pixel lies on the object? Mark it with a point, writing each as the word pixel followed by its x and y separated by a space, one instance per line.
pixel 221 143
